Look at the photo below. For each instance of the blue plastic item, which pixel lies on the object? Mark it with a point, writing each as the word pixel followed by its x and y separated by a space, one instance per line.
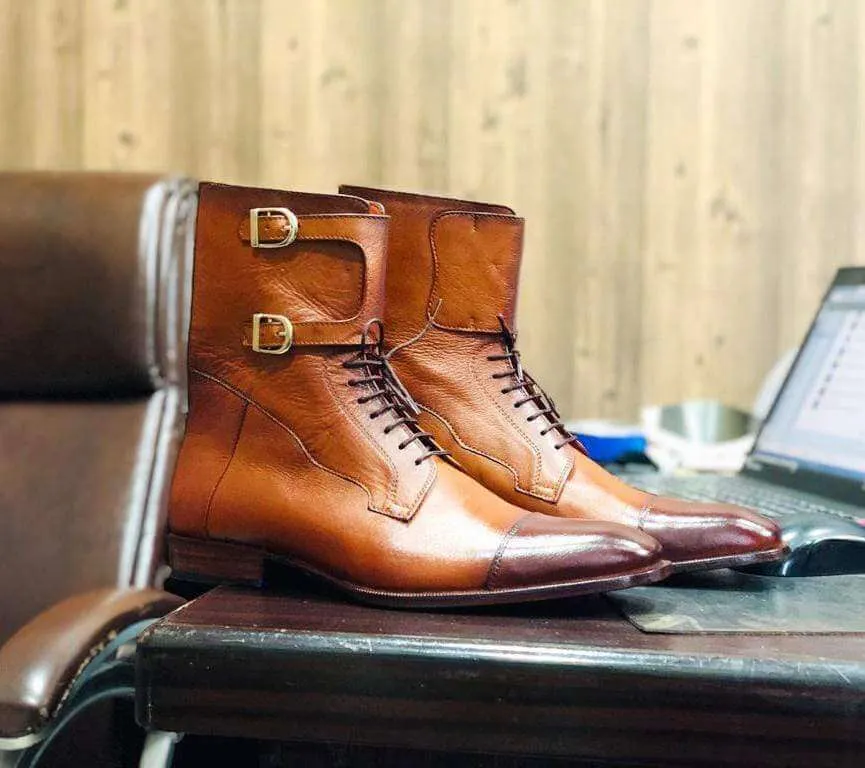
pixel 606 449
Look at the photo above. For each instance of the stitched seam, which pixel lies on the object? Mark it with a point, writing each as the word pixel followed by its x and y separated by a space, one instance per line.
pixel 542 490
pixel 433 293
pixel 321 217
pixel 646 508
pixel 92 653
pixel 224 470
pixel 322 342
pixel 433 473
pixel 392 193
pixel 500 552
pixel 261 409
pixel 391 492
pixel 479 452
pixel 563 475
pixel 333 216
pixel 469 448
pixel 537 487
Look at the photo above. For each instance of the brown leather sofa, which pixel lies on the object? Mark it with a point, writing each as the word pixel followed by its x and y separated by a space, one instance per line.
pixel 94 275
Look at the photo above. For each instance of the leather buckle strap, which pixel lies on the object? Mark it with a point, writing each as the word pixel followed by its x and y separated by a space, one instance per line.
pixel 272 227
pixel 314 324
pixel 271 334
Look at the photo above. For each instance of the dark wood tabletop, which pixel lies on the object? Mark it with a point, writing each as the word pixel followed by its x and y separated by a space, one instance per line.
pixel 565 679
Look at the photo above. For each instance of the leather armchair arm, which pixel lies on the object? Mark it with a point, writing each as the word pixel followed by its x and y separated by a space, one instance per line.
pixel 40 661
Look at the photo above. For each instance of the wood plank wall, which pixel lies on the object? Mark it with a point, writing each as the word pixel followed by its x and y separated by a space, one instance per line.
pixel 692 171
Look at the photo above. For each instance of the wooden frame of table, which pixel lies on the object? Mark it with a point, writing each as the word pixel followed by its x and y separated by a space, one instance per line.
pixel 567 679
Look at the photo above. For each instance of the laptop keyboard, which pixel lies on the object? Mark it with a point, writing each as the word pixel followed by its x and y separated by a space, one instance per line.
pixel 746 492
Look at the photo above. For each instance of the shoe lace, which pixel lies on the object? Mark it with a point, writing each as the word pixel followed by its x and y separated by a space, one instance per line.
pixel 522 381
pixel 382 384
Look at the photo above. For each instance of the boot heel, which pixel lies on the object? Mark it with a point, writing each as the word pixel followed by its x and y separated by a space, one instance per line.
pixel 215 562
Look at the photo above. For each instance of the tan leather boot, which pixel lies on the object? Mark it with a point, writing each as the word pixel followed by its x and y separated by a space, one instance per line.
pixel 301 445
pixel 451 297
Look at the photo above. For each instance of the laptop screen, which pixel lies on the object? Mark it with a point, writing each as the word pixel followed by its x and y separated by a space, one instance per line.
pixel 818 420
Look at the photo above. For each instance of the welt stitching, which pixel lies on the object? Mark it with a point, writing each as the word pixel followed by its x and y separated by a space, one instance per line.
pixel 224 470
pixel 283 426
pixel 500 552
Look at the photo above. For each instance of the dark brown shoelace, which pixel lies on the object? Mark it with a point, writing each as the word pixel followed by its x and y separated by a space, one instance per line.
pixel 533 393
pixel 384 385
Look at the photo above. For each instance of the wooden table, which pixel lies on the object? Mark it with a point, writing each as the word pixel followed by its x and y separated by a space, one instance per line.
pixel 566 679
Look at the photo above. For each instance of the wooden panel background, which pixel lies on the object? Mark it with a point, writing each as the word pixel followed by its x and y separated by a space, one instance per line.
pixel 692 171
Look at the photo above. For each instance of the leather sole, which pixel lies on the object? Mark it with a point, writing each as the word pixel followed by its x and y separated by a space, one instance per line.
pixel 219 562
pixel 729 561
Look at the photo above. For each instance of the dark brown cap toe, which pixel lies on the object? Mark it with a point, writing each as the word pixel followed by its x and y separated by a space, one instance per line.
pixel 541 550
pixel 692 531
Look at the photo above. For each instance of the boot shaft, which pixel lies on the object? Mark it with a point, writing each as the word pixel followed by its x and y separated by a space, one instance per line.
pixel 285 287
pixel 452 283
pixel 452 263
pixel 318 261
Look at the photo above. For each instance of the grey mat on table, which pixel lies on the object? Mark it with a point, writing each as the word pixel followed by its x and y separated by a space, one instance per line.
pixel 730 602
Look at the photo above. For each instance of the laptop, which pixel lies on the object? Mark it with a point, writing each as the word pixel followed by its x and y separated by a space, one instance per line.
pixel 809 455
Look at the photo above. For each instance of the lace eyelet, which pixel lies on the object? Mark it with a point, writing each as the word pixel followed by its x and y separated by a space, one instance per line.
pixel 417 462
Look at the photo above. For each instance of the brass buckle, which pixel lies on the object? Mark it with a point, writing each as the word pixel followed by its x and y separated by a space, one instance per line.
pixel 287 333
pixel 256 213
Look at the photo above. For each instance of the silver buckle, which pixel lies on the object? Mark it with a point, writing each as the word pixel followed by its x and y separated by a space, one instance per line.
pixel 287 333
pixel 256 213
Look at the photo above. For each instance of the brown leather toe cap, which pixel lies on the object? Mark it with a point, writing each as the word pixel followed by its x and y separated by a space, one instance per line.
pixel 699 531
pixel 541 549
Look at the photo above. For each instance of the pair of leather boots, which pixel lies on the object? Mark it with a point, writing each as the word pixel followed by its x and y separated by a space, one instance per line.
pixel 423 467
